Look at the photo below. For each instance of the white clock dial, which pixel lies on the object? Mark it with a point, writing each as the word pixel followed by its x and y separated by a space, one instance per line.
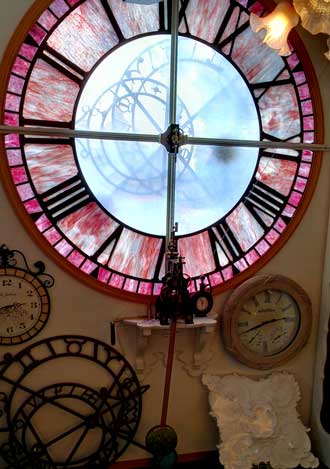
pixel 268 322
pixel 24 306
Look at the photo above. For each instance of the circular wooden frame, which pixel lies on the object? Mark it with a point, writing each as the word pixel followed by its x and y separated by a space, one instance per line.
pixel 233 308
pixel 42 312
pixel 6 65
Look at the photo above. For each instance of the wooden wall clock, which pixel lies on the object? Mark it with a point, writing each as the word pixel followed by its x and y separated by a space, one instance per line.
pixel 24 298
pixel 98 206
pixel 266 321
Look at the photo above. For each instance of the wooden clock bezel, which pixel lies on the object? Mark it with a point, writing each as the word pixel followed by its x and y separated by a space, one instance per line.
pixel 239 297
pixel 6 64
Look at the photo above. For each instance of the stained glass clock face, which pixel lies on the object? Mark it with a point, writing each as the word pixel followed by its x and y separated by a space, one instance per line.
pixel 99 207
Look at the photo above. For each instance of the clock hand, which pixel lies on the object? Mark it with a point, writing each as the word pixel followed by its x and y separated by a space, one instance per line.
pixel 184 139
pixel 251 340
pixel 14 305
pixel 99 135
pixel 277 337
pixel 173 150
pixel 263 324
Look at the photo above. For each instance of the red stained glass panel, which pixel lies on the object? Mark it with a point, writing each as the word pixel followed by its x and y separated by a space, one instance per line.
pixel 88 227
pixel 50 165
pixel 196 14
pixel 197 253
pixel 132 18
pixel 136 254
pixel 87 28
pixel 270 168
pixel 50 94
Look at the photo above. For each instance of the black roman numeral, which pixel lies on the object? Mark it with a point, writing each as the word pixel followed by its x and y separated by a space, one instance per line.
pixel 63 65
pixel 224 23
pixel 159 261
pixel 230 39
pixel 264 86
pixel 107 248
pixel 66 198
pixel 262 198
pixel 272 138
pixel 279 156
pixel 112 19
pixel 182 14
pixel 44 123
pixel 227 242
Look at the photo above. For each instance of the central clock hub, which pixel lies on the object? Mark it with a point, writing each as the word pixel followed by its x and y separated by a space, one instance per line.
pixel 128 92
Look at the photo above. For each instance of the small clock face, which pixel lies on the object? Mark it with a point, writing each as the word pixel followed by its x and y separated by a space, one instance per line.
pixel 24 306
pixel 202 303
pixel 268 322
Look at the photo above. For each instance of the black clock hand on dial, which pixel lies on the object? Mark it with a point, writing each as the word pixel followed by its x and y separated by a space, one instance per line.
pixel 14 305
pixel 264 323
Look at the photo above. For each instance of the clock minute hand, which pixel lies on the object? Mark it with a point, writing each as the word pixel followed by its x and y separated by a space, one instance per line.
pixel 262 324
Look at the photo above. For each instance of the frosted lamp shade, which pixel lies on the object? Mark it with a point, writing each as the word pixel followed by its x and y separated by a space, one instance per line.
pixel 315 17
pixel 314 14
pixel 277 24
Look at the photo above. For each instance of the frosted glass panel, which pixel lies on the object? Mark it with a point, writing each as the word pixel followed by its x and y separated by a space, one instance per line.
pixel 129 92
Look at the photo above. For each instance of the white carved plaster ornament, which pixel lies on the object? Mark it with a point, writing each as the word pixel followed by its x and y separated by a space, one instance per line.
pixel 315 17
pixel 258 421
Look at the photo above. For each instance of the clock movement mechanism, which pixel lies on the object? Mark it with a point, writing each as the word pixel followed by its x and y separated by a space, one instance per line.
pixel 175 300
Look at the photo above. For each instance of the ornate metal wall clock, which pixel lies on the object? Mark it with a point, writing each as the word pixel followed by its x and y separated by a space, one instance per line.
pixel 84 413
pixel 24 299
pixel 99 205
pixel 266 321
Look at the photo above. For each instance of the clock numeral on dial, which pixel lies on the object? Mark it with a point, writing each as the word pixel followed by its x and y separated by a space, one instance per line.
pixel 66 198
pixel 224 23
pixel 112 20
pixel 262 198
pixel 264 86
pixel 45 123
pixel 63 65
pixel 7 282
pixel 272 138
pixel 225 238
pixel 182 14
pixel 279 156
pixel 230 39
pixel 104 252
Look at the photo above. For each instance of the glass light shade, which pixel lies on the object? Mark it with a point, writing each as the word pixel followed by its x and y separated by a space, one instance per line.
pixel 277 24
pixel 315 17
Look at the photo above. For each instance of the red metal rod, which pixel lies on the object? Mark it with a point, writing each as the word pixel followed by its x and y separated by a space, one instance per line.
pixel 169 366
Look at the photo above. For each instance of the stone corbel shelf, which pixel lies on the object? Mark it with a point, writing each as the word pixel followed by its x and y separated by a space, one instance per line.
pixel 202 327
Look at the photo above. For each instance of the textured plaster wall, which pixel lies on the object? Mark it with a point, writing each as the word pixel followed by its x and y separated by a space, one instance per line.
pixel 78 309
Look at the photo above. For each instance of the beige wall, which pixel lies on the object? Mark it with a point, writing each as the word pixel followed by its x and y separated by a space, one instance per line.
pixel 78 309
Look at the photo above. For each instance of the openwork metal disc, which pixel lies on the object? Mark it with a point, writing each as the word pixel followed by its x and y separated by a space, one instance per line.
pixel 66 402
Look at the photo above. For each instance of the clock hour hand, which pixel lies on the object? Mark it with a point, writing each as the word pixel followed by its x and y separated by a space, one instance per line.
pixel 8 307
pixel 263 324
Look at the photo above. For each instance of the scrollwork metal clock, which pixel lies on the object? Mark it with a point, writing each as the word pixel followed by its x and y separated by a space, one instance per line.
pixel 67 401
pixel 98 206
pixel 24 299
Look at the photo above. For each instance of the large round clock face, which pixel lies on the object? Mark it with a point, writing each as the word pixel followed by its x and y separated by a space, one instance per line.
pixel 99 207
